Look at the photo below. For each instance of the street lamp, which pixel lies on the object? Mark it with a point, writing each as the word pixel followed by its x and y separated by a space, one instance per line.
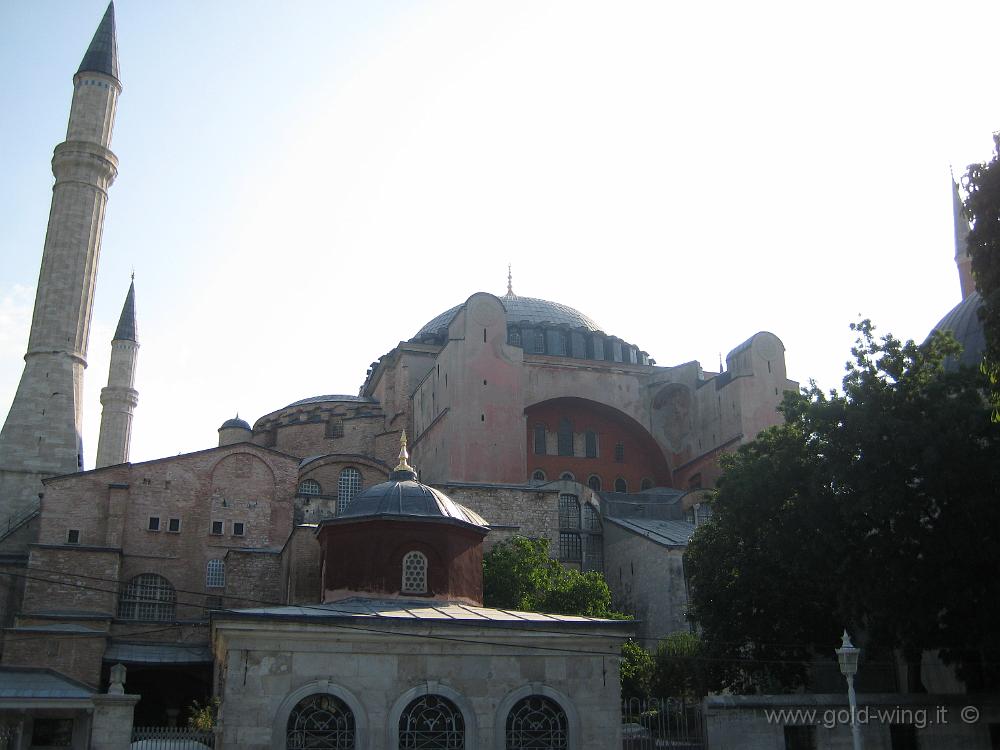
pixel 847 655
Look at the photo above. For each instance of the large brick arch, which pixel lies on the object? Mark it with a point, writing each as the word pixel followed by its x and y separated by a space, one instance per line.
pixel 641 458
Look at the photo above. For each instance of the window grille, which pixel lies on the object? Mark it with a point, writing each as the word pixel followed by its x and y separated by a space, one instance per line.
pixel 570 547
pixel 348 486
pixel 591 444
pixel 567 476
pixel 335 428
pixel 147 597
pixel 538 476
pixel 415 573
pixel 431 722
pixel 594 483
pixel 621 485
pixel 238 528
pixel 514 337
pixel 215 574
pixel 591 518
pixel 565 437
pixel 594 558
pixel 536 722
pixel 569 512
pixel 310 487
pixel 320 721
pixel 539 342
pixel 540 439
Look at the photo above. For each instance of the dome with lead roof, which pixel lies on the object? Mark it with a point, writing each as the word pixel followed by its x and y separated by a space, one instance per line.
pixel 963 322
pixel 520 310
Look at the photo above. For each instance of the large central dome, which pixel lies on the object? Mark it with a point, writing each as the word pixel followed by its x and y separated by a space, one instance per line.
pixel 521 310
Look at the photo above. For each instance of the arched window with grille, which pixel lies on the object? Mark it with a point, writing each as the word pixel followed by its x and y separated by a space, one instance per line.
pixel 538 476
pixel 621 485
pixel 215 574
pixel 565 437
pixel 536 722
pixel 414 573
pixel 348 486
pixel 310 487
pixel 594 482
pixel 321 721
pixel 147 597
pixel 514 337
pixel 431 722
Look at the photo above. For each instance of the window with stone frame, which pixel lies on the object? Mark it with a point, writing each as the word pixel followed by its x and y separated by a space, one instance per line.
pixel 570 547
pixel 335 427
pixel 348 485
pixel 73 536
pixel 590 441
pixel 431 722
pixel 321 721
pixel 594 482
pixel 536 722
pixel 148 597
pixel 215 574
pixel 310 487
pixel 565 437
pixel 414 573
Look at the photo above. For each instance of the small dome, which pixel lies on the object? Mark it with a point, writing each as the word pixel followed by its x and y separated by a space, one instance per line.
pixel 964 324
pixel 235 422
pixel 519 310
pixel 404 497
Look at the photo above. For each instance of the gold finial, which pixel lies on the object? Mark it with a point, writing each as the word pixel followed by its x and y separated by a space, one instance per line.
pixel 403 455
pixel 510 287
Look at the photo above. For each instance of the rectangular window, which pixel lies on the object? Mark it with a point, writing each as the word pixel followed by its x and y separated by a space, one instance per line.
pixel 569 512
pixel 540 439
pixel 800 738
pixel 73 536
pixel 539 342
pixel 237 528
pixel 591 444
pixel 174 525
pixel 154 523
pixel 570 547
pixel 620 452
pixel 217 527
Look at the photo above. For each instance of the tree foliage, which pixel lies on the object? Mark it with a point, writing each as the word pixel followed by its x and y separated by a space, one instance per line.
pixel 519 574
pixel 982 184
pixel 873 509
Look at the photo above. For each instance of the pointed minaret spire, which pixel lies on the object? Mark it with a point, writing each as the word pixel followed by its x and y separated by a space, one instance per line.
pixel 962 258
pixel 510 285
pixel 102 54
pixel 120 397
pixel 404 455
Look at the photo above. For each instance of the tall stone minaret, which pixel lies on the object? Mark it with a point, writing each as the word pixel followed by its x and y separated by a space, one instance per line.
pixel 41 436
pixel 962 258
pixel 119 397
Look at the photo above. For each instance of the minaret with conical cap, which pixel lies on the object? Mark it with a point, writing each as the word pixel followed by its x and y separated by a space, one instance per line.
pixel 962 258
pixel 42 434
pixel 120 397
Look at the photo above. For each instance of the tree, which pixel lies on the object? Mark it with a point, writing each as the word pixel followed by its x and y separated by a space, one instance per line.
pixel 982 184
pixel 873 509
pixel 519 574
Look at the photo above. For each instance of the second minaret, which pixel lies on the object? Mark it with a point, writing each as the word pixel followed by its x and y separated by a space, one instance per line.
pixel 120 397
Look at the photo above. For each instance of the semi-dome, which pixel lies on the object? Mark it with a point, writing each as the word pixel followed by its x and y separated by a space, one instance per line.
pixel 964 324
pixel 520 310
pixel 403 497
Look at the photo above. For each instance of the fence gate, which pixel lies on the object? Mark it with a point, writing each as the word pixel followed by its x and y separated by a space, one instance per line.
pixel 171 738
pixel 665 724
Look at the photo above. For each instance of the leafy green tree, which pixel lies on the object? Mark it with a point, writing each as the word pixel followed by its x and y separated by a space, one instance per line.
pixel 680 669
pixel 982 183
pixel 636 671
pixel 873 509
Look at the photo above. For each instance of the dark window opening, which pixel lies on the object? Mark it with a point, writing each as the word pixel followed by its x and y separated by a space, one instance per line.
pixel 238 528
pixel 565 437
pixel 73 536
pixel 594 483
pixel 540 439
pixel 591 444
pixel 154 523
pixel 217 527
pixel 621 485
pixel 174 525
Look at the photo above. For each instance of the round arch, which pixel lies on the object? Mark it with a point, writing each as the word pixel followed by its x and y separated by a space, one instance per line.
pixel 536 688
pixel 279 728
pixel 432 687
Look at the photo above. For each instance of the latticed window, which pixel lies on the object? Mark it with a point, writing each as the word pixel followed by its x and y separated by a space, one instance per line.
pixel 514 337
pixel 540 439
pixel 538 476
pixel 539 342
pixel 431 722
pixel 594 483
pixel 348 486
pixel 335 428
pixel 591 444
pixel 591 518
pixel 570 547
pixel 320 722
pixel 537 723
pixel 594 557
pixel 310 487
pixel 565 437
pixel 147 597
pixel 215 574
pixel 415 573
pixel 569 512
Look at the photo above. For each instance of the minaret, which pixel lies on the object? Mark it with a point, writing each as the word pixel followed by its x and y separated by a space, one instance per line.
pixel 119 397
pixel 42 434
pixel 962 258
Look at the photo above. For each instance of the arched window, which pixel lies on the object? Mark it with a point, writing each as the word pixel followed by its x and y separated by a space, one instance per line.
pixel 539 342
pixel 414 573
pixel 514 337
pixel 621 485
pixel 348 486
pixel 147 597
pixel 538 476
pixel 565 437
pixel 431 722
pixel 310 487
pixel 540 439
pixel 536 722
pixel 594 483
pixel 591 444
pixel 647 484
pixel 215 574
pixel 321 721
pixel 567 476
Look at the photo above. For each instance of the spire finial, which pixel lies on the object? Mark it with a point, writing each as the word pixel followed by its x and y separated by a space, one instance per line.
pixel 404 456
pixel 510 286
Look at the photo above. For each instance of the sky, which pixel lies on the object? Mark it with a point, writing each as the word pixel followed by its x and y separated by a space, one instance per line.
pixel 302 185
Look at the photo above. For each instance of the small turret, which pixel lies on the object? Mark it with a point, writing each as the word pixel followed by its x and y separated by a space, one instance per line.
pixel 234 430
pixel 120 397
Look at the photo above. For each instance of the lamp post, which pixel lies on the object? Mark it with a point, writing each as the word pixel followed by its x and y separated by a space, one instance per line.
pixel 847 655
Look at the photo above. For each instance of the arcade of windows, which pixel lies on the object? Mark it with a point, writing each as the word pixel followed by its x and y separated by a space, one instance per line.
pixel 581 538
pixel 580 344
pixel 429 722
pixel 348 485
pixel 148 597
pixel 565 440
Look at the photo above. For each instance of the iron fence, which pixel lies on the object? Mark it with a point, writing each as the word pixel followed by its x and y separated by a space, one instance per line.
pixel 662 724
pixel 171 738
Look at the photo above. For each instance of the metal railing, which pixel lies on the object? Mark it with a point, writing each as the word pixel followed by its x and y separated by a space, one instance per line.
pixel 664 724
pixel 171 738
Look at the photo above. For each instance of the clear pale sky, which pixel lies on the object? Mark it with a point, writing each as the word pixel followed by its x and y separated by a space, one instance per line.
pixel 304 184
